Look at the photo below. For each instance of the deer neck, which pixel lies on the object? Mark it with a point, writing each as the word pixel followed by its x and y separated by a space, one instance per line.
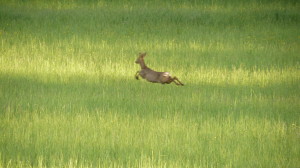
pixel 143 65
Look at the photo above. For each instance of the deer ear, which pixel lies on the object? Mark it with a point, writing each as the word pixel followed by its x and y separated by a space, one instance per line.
pixel 142 55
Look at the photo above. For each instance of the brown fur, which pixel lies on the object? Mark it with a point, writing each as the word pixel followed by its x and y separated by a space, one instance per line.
pixel 153 76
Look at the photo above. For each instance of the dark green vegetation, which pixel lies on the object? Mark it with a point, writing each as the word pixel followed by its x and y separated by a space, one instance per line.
pixel 68 97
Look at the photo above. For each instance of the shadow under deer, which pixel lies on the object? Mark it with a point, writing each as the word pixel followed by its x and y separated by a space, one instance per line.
pixel 154 76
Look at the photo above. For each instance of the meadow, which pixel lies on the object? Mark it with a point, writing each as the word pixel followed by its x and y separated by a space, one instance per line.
pixel 68 96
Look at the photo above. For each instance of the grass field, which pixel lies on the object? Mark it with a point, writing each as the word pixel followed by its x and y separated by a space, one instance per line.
pixel 68 97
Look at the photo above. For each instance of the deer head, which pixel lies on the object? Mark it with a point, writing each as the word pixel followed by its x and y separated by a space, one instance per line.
pixel 140 59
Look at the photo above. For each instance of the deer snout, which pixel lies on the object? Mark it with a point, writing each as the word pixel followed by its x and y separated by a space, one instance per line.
pixel 137 61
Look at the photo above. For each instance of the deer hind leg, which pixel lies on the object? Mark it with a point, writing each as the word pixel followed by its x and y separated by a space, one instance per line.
pixel 176 81
pixel 137 75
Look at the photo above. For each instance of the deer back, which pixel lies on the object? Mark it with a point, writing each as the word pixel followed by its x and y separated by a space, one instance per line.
pixel 153 76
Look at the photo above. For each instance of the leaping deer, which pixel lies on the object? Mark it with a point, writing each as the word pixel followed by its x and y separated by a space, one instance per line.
pixel 153 76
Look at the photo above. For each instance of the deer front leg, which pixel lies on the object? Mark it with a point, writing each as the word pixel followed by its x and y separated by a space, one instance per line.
pixel 137 75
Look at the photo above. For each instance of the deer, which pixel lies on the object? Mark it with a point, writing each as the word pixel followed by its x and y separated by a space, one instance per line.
pixel 154 76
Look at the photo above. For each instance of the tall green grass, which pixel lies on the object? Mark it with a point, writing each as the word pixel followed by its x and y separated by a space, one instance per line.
pixel 68 97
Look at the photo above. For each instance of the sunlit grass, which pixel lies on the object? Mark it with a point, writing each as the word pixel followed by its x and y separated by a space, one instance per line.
pixel 109 137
